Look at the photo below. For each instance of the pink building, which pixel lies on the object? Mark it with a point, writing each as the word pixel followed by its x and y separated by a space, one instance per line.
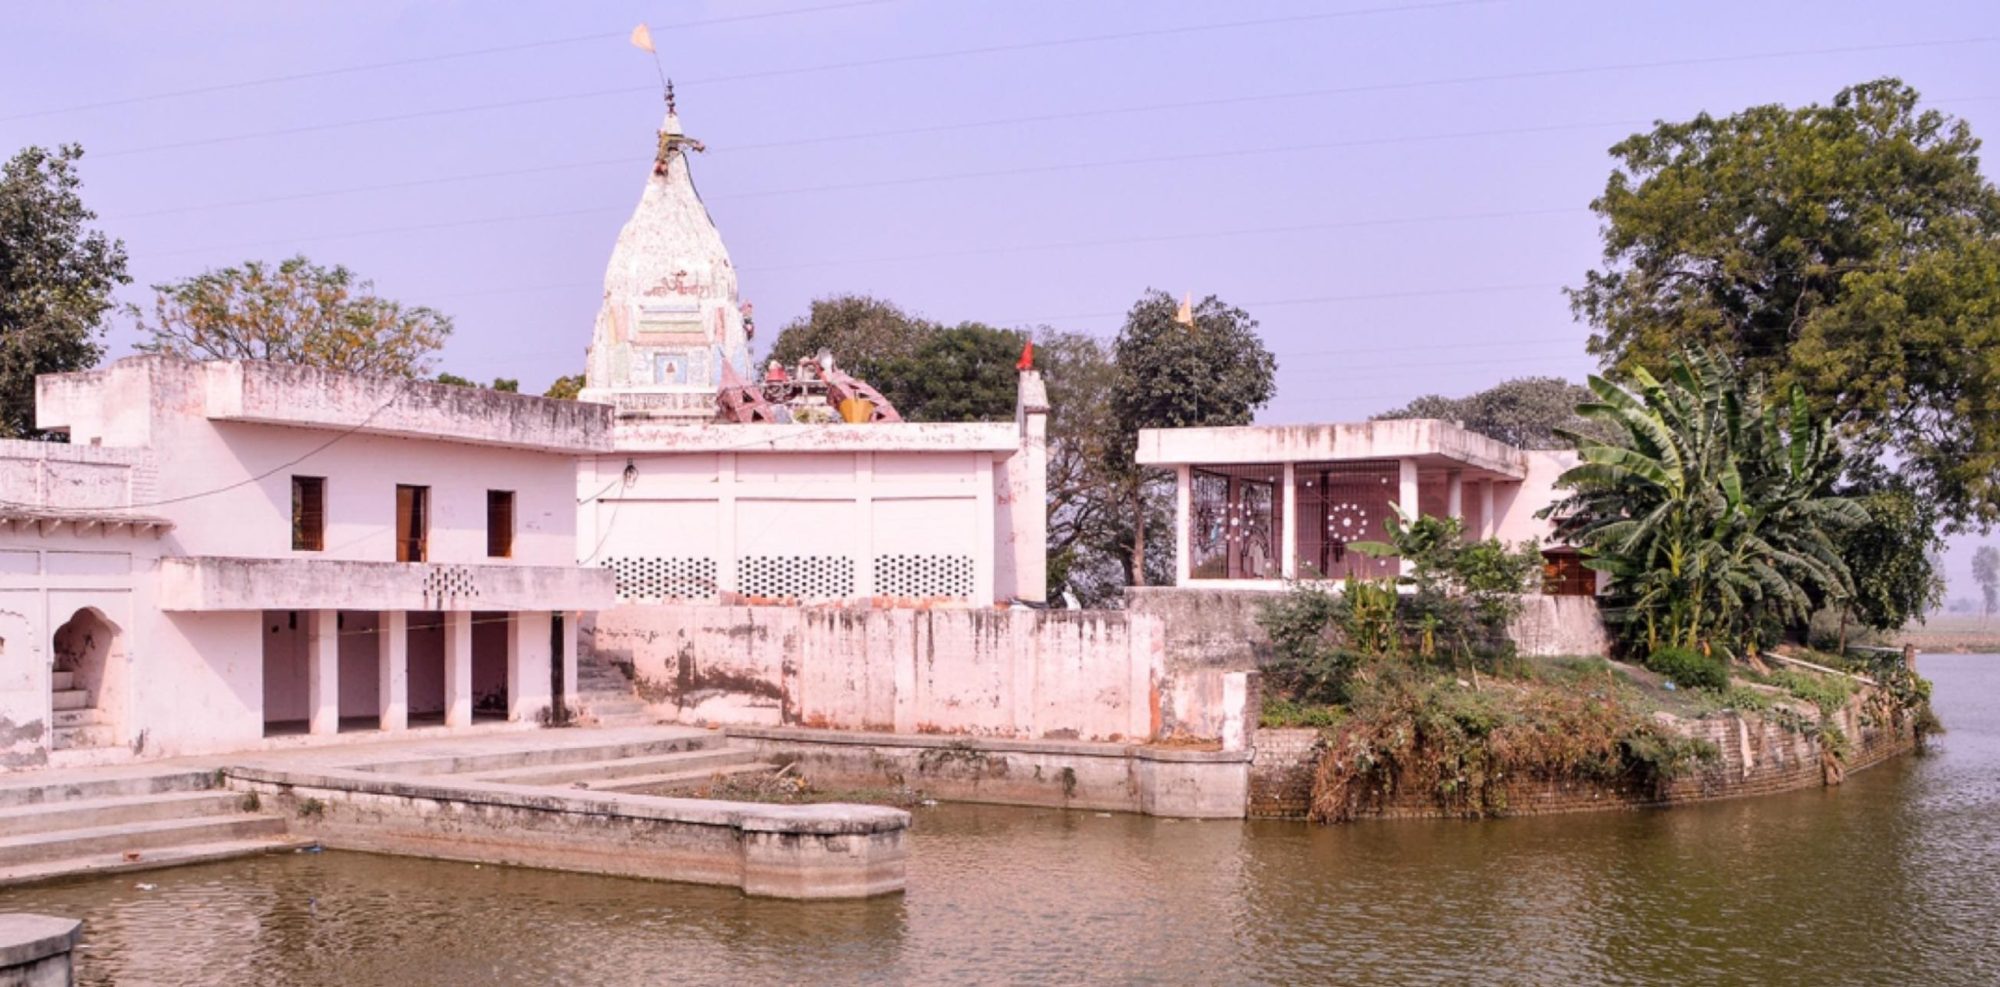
pixel 227 552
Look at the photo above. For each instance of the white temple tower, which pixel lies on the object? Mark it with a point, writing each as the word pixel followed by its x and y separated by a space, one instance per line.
pixel 670 316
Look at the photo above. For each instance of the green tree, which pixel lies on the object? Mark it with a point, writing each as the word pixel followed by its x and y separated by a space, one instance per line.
pixel 295 312
pixel 1215 371
pixel 1528 412
pixel 1986 572
pixel 56 279
pixel 506 384
pixel 566 387
pixel 1892 558
pixel 962 374
pixel 1852 249
pixel 1090 522
pixel 864 334
pixel 1709 509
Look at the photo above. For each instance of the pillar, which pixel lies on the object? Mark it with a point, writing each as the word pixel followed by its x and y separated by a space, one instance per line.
pixel 728 584
pixel 1183 513
pixel 983 547
pixel 458 668
pixel 323 671
pixel 568 657
pixel 863 534
pixel 1489 526
pixel 392 651
pixel 1406 497
pixel 1289 538
pixel 1454 495
pixel 528 660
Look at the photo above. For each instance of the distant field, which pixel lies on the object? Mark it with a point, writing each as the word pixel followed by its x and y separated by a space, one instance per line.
pixel 1954 632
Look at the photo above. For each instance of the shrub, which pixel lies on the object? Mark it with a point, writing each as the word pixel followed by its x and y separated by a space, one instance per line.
pixel 1690 669
pixel 1282 712
pixel 1828 692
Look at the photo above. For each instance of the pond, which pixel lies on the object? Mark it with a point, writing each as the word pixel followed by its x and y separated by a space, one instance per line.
pixel 1892 878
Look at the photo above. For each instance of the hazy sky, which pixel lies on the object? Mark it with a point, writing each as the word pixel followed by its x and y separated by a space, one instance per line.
pixel 1397 191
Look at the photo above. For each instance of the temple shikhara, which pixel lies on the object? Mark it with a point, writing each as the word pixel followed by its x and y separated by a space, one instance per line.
pixel 671 319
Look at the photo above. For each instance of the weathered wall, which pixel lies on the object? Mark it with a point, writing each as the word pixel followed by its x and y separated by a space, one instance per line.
pixel 1016 673
pixel 1206 628
pixel 1560 625
pixel 1759 757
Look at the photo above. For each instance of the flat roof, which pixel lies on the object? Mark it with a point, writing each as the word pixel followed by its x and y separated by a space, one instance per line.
pixel 755 438
pixel 1432 443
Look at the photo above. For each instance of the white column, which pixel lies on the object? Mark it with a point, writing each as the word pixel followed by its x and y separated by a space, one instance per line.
pixel 1406 496
pixel 1183 519
pixel 982 537
pixel 1289 538
pixel 392 651
pixel 1454 495
pixel 568 656
pixel 323 670
pixel 457 668
pixel 863 545
pixel 528 660
pixel 1489 526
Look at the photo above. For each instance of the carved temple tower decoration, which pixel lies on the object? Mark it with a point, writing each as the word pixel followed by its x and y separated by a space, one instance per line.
pixel 670 318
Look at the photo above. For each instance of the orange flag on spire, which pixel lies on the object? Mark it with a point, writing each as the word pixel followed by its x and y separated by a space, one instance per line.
pixel 642 37
pixel 1185 316
pixel 1027 360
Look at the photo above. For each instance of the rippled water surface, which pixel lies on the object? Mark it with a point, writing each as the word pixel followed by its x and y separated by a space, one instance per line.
pixel 1893 878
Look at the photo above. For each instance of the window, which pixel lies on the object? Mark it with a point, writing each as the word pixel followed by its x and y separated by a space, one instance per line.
pixel 413 517
pixel 500 523
pixel 308 513
pixel 1564 574
pixel 1238 515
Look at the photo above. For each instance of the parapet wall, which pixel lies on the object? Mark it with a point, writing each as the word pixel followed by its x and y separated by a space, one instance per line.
pixel 1758 757
pixel 1020 674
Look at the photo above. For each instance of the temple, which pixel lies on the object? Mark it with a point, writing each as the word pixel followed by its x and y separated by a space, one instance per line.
pixel 670 319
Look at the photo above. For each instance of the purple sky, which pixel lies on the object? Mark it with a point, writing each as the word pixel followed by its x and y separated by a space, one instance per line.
pixel 1397 195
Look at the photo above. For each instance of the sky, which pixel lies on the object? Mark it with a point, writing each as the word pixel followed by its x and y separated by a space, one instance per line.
pixel 1397 191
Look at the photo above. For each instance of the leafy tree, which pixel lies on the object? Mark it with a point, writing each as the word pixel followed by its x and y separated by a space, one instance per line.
pixel 1709 509
pixel 506 384
pixel 1852 249
pixel 56 279
pixel 1986 571
pixel 296 312
pixel 1892 558
pixel 1170 375
pixel 863 333
pixel 1528 412
pixel 566 387
pixel 962 374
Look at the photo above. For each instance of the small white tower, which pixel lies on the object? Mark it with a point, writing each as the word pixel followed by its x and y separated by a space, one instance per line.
pixel 670 315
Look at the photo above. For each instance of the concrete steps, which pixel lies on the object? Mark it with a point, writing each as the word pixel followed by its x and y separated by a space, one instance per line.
pixel 72 698
pixel 547 757
pixel 682 779
pixel 62 681
pixel 598 774
pixel 605 693
pixel 112 822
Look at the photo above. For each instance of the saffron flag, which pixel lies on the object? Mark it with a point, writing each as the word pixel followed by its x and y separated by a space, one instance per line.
pixel 1027 360
pixel 642 37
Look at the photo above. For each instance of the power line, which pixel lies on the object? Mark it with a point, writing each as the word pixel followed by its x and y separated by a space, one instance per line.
pixel 426 59
pixel 1341 90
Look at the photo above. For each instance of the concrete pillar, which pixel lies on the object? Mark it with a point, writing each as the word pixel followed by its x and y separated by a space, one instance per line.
pixel 392 651
pixel 1028 488
pixel 1289 538
pixel 568 657
pixel 1183 522
pixel 323 670
pixel 1489 526
pixel 983 547
pixel 528 660
pixel 1406 497
pixel 1454 495
pixel 727 582
pixel 863 545
pixel 457 668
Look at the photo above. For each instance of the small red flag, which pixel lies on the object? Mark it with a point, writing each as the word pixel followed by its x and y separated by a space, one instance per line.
pixel 1027 360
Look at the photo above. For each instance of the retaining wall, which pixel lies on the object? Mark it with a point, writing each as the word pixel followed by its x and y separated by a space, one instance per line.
pixel 1758 757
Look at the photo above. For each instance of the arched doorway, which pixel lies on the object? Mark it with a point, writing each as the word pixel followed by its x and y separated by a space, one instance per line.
pixel 83 648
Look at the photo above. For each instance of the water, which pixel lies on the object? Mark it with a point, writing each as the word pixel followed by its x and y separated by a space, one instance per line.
pixel 1893 878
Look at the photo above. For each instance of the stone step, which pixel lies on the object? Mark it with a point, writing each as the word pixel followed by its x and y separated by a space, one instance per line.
pixel 80 717
pixel 543 757
pixel 595 772
pixel 140 837
pixel 118 863
pixel 681 779
pixel 62 680
pixel 72 698
pixel 50 817
pixel 30 791
pixel 75 738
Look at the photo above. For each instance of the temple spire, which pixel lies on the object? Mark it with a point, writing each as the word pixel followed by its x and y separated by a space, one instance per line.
pixel 671 110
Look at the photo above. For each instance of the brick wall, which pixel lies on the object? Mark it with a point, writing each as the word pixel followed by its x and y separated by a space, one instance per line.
pixel 1759 757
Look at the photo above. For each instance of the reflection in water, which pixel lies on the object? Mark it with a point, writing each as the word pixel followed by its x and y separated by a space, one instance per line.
pixel 1891 878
